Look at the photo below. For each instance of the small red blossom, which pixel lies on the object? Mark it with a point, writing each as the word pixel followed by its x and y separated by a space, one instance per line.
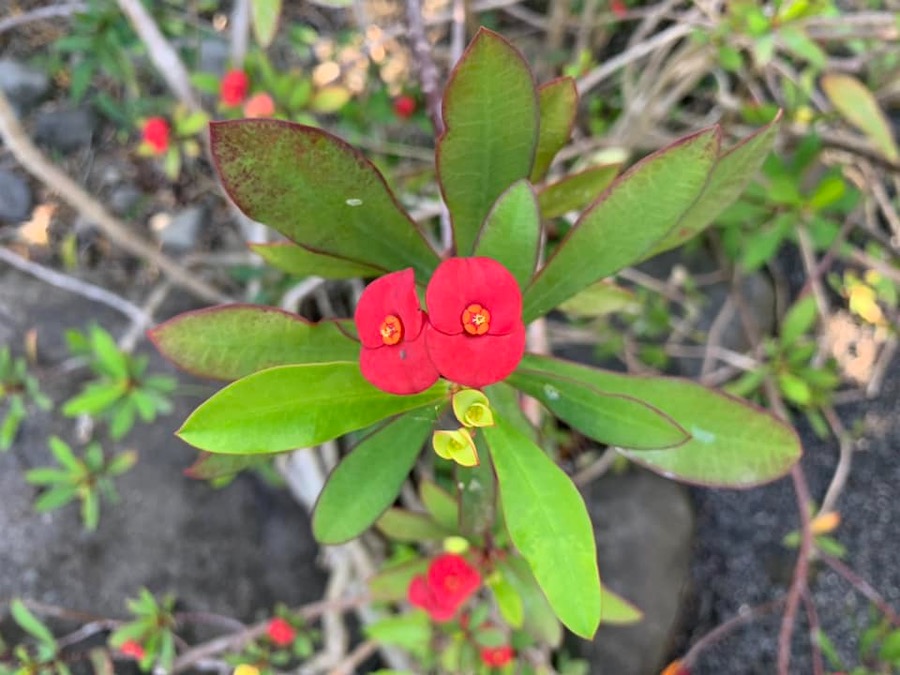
pixel 132 649
pixel 391 325
pixel 233 89
pixel 496 657
pixel 404 107
pixel 476 335
pixel 281 632
pixel 156 134
pixel 618 8
pixel 448 584
pixel 259 105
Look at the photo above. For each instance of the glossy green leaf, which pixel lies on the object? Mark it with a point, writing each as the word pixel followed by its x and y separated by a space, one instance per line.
pixel 392 583
pixel 856 103
pixel 302 262
pixel 616 610
pixel 508 600
pixel 317 191
pixel 511 232
pixel 291 407
pixel 411 631
pixel 733 443
pixel 730 176
pixel 232 341
pixel 800 319
pixel 491 117
pixel 549 525
pixel 558 104
pixel 613 419
pixel 538 619
pixel 442 506
pixel 400 525
pixel 576 191
pixel 367 481
pixel 505 402
pixel 265 14
pixel 601 299
pixel 637 211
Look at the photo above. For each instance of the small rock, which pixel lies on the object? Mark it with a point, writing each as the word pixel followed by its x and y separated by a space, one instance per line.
pixel 23 85
pixel 181 232
pixel 66 130
pixel 123 198
pixel 15 198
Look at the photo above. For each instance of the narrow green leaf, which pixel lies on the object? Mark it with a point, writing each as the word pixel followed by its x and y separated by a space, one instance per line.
pixel 45 476
pixel 558 102
pixel 638 210
pixel 508 601
pixel 95 398
pixel 477 495
pixel 63 453
pixel 55 498
pixel 545 515
pixel 616 610
pixel 319 192
pixel 233 341
pixel 367 481
pixel 392 583
pixel 799 320
pixel 730 176
pixel 30 623
pixel 303 262
pixel 857 105
pixel 265 14
pixel 491 117
pixel 733 444
pixel 400 525
pixel 613 419
pixel 512 232
pixel 505 402
pixel 601 299
pixel 90 510
pixel 576 191
pixel 291 407
pixel 442 506
pixel 411 631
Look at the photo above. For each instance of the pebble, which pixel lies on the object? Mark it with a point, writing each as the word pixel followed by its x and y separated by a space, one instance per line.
pixel 65 130
pixel 23 85
pixel 15 198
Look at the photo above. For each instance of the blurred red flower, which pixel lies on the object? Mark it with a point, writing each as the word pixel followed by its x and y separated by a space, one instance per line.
pixel 618 8
pixel 233 89
pixel 404 106
pixel 259 105
pixel 476 336
pixel 156 134
pixel 390 325
pixel 132 649
pixel 281 632
pixel 448 584
pixel 496 657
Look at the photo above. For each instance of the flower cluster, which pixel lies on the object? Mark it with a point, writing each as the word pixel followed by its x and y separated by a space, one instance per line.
pixel 155 135
pixel 259 105
pixel 473 333
pixel 233 88
pixel 404 106
pixel 496 657
pixel 132 649
pixel 448 584
pixel 280 632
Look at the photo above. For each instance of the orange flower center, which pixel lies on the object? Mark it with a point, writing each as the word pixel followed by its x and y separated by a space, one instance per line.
pixel 476 320
pixel 391 330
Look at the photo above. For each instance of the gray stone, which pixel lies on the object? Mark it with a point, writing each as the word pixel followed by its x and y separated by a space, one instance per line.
pixel 182 231
pixel 15 198
pixel 66 130
pixel 23 85
pixel 644 528
pixel 124 198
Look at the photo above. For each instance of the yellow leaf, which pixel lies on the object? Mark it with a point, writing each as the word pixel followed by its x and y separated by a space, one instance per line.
pixel 824 523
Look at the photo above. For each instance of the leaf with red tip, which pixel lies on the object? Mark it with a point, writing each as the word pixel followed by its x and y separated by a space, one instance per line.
pixel 491 116
pixel 317 191
pixel 231 341
pixel 558 100
pixel 302 262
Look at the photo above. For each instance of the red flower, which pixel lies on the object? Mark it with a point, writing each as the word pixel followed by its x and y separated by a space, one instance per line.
pixel 449 583
pixel 233 89
pixel 156 134
pixel 476 336
pixel 259 105
pixel 496 657
pixel 281 632
pixel 390 325
pixel 404 107
pixel 132 649
pixel 618 8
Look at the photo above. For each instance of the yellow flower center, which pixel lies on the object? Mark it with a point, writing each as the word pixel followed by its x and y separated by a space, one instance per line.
pixel 476 320
pixel 391 330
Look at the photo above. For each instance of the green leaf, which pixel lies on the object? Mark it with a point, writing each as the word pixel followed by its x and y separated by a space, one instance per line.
pixel 319 192
pixel 545 515
pixel 799 320
pixel 511 232
pixel 55 498
pixel 601 299
pixel 233 341
pixel 733 444
pixel 477 495
pixel 411 631
pixel 558 102
pixel 122 463
pixel 291 407
pixel 616 610
pixel 45 476
pixel 63 454
pixel 90 510
pixel 795 389
pixel 265 14
pixel 302 262
pixel 613 419
pixel 367 481
pixel 505 402
pixel 95 398
pixel 890 647
pixel 440 504
pixel 800 44
pixel 30 623
pixel 392 583
pixel 857 105
pixel 576 191
pixel 637 211
pixel 730 176
pixel 210 466
pixel 401 525
pixel 491 117
pixel 508 601
pixel 330 99
pixel 539 621
pixel 193 124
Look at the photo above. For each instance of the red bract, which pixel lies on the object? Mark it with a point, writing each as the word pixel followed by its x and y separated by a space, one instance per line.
pixel 618 8
pixel 259 105
pixel 390 326
pixel 448 584
pixel 404 106
pixel 132 649
pixel 476 336
pixel 496 657
pixel 156 134
pixel 233 88
pixel 281 632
